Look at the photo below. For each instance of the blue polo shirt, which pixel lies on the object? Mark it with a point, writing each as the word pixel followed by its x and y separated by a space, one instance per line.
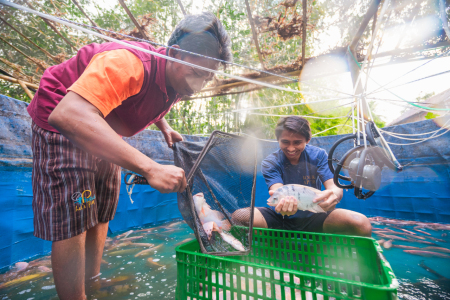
pixel 312 169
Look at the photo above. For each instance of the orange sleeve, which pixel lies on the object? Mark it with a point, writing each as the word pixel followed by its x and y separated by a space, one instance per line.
pixel 110 78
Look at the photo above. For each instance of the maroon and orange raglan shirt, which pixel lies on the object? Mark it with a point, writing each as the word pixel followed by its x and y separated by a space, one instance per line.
pixel 125 84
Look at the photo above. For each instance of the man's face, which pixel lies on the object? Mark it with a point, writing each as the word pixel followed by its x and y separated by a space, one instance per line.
pixel 292 144
pixel 186 80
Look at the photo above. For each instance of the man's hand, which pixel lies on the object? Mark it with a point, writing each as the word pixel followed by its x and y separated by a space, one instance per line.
pixel 287 206
pixel 171 137
pixel 327 199
pixel 167 178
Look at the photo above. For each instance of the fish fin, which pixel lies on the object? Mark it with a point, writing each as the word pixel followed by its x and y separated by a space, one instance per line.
pixel 203 211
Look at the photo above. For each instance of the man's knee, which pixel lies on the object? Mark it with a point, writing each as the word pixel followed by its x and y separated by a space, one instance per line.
pixel 347 222
pixel 360 224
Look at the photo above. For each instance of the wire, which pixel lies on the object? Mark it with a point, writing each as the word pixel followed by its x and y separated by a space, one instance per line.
pixel 330 129
pixel 398 135
pixel 393 87
pixel 409 102
pixel 424 140
pixel 68 23
pixel 287 105
pixel 382 86
pixel 304 116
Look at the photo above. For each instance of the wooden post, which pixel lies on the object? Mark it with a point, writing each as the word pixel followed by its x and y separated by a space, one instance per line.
pixel 130 15
pixel 353 66
pixel 27 91
pixel 182 7
pixel 34 44
pixel 14 80
pixel 254 33
pixel 54 29
pixel 304 22
pixel 373 8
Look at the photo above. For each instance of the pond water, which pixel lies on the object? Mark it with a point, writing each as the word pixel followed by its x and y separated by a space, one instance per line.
pixel 129 273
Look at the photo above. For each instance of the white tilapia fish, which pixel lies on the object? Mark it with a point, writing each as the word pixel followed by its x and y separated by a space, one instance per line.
pixel 304 195
pixel 228 238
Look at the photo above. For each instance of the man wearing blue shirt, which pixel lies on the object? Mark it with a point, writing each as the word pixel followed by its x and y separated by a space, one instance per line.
pixel 296 162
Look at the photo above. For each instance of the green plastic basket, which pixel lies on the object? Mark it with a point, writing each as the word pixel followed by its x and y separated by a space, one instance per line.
pixel 288 265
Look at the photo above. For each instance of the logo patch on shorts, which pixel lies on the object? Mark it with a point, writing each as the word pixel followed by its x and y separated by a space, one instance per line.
pixel 83 200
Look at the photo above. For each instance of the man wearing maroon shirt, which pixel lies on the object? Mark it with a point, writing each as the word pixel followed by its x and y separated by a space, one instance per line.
pixel 80 111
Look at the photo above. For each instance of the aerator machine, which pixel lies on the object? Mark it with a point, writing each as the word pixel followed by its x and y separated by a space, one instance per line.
pixel 363 162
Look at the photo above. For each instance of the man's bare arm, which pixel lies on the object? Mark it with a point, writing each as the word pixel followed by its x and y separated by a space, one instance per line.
pixel 331 196
pixel 170 135
pixel 84 125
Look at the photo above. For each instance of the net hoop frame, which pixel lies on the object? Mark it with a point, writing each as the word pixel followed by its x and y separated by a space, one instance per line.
pixel 189 179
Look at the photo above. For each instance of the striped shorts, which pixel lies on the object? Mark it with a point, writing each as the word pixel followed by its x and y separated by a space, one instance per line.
pixel 72 189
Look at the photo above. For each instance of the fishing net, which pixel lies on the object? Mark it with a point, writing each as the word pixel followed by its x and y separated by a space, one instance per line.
pixel 219 201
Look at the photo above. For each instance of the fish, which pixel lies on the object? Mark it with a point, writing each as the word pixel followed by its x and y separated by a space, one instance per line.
pixel 121 252
pixel 422 231
pixel 305 196
pixel 20 266
pixel 44 269
pixel 21 280
pixel 119 245
pixel 381 241
pixel 175 224
pixel 113 281
pixel 152 262
pixel 444 234
pixel 133 238
pixel 393 237
pixel 206 214
pixel 425 267
pixel 142 244
pixel 125 234
pixel 440 249
pixel 228 238
pixel 234 242
pixel 422 242
pixel 407 231
pixel 427 253
pixel 147 251
pixel 183 241
pixel 406 247
pixel 387 244
pixel 121 288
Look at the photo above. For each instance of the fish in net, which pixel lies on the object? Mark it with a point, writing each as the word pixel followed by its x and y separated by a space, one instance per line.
pixel 219 200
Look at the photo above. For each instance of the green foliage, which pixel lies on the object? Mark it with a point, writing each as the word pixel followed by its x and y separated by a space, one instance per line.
pixel 431 115
pixel 13 90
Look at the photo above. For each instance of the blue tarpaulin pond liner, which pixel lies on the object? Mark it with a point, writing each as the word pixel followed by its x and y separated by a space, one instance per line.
pixel 420 192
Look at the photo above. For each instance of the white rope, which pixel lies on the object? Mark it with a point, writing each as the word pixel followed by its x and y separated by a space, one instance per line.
pixel 304 116
pixel 424 140
pixel 395 134
pixel 330 129
pixel 130 188
pixel 380 131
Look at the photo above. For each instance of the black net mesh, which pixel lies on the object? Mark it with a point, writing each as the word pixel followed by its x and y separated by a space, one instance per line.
pixel 219 201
